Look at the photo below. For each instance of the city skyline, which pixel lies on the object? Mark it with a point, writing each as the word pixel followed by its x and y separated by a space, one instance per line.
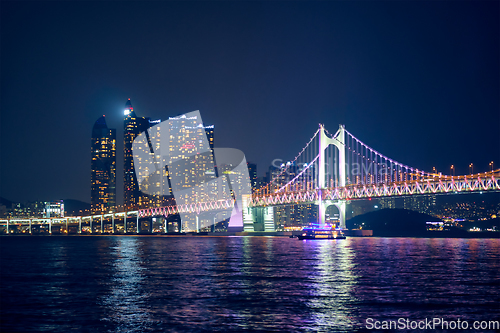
pixel 175 158
pixel 425 94
pixel 284 166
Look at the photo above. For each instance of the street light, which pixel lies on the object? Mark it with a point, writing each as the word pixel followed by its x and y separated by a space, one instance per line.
pixel 491 165
pixel 471 168
pixel 452 170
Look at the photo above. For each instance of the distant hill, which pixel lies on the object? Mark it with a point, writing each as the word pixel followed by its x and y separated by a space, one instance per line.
pixel 73 207
pixel 6 202
pixel 393 222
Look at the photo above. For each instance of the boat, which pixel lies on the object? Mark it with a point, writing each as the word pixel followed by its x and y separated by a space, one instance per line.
pixel 326 232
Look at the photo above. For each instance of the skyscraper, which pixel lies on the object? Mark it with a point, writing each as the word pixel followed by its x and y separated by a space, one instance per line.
pixel 252 171
pixel 150 180
pixel 133 126
pixel 191 147
pixel 188 139
pixel 210 136
pixel 103 167
pixel 150 185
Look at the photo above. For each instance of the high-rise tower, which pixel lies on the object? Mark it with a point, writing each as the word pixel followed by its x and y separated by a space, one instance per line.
pixel 103 167
pixel 133 126
pixel 252 171
pixel 133 198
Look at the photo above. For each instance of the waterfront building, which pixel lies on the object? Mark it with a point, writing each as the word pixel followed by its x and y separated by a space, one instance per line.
pixel 295 217
pixel 34 209
pixel 103 167
pixel 54 209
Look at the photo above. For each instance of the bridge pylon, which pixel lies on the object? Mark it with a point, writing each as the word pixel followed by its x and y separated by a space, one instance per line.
pixel 338 140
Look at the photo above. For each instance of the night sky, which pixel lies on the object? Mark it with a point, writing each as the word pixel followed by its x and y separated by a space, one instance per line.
pixel 417 81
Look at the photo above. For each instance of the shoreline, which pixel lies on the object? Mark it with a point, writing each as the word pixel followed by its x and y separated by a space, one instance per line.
pixel 471 235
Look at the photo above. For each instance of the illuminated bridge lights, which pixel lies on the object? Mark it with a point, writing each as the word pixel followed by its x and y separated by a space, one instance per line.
pixel 187 208
pixel 489 181
pixel 479 182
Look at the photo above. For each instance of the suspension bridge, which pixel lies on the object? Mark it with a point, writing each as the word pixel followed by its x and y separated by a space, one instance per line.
pixel 334 168
pixel 330 170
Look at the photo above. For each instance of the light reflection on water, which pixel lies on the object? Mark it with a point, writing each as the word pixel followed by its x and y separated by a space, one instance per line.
pixel 196 284
pixel 333 284
pixel 127 303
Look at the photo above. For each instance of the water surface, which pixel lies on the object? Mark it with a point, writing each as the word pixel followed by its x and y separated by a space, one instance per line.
pixel 202 284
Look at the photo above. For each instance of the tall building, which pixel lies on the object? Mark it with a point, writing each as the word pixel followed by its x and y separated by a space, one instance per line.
pixel 191 162
pixel 252 171
pixel 103 167
pixel 186 139
pixel 174 145
pixel 209 130
pixel 133 126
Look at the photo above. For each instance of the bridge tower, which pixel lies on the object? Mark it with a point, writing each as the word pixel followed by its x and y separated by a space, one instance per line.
pixel 338 140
